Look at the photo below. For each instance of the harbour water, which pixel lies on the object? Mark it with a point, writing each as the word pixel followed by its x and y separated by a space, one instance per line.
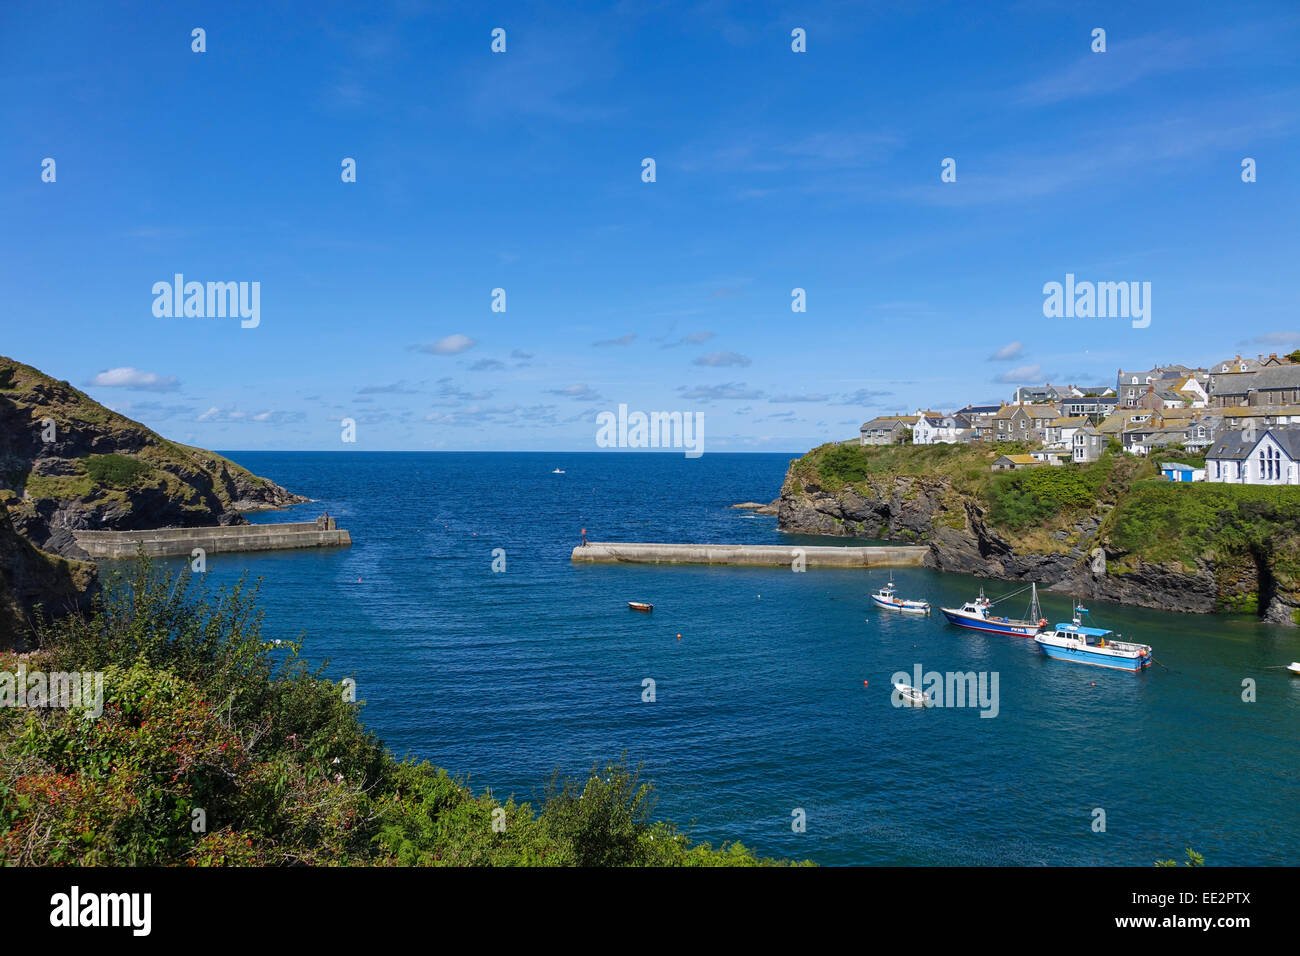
pixel 761 708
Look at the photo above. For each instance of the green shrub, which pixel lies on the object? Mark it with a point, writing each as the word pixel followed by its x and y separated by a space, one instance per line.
pixel 201 713
pixel 117 471
pixel 1031 496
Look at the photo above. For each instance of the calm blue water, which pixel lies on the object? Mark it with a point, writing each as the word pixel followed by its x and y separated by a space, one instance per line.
pixel 761 707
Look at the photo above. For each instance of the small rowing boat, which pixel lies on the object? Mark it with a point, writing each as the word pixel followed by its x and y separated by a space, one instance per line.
pixel 907 694
pixel 1294 668
pixel 887 598
pixel 640 606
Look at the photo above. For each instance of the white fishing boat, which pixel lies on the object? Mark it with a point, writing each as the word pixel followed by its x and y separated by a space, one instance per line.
pixel 558 471
pixel 887 598
pixel 910 695
pixel 1093 645
pixel 975 615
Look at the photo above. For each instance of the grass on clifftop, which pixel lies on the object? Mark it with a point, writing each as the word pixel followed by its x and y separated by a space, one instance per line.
pixel 1143 515
pixel 1013 500
pixel 203 719
pixel 1167 521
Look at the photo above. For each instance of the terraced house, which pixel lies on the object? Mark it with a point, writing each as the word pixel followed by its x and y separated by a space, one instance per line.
pixel 1271 385
pixel 1130 387
pixel 886 430
pixel 1023 422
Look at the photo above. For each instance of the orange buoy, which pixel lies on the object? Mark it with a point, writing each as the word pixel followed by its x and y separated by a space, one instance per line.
pixel 864 683
pixel 679 637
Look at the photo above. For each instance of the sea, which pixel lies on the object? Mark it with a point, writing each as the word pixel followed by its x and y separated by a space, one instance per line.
pixel 758 701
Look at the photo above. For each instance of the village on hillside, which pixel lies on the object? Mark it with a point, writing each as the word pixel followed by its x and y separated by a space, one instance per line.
pixel 1242 415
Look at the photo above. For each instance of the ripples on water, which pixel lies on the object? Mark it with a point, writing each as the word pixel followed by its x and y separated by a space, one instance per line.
pixel 761 707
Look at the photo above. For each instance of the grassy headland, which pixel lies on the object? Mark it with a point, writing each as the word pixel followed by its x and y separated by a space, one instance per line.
pixel 1248 537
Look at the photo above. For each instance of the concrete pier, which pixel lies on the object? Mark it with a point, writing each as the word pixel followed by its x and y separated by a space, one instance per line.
pixel 168 542
pixel 749 554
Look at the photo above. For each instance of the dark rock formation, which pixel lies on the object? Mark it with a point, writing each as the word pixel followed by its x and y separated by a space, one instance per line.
pixel 928 510
pixel 35 585
pixel 67 463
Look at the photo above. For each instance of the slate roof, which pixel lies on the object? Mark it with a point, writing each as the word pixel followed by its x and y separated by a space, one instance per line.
pixel 1239 383
pixel 1230 446
pixel 1289 439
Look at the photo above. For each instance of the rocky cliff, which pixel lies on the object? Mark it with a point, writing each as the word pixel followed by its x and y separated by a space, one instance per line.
pixel 67 462
pixel 1117 546
pixel 35 585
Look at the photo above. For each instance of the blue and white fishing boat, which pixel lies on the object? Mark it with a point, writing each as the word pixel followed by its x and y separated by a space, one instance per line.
pixel 887 598
pixel 976 616
pixel 1093 645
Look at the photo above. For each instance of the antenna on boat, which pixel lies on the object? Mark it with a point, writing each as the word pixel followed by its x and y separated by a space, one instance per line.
pixel 1035 612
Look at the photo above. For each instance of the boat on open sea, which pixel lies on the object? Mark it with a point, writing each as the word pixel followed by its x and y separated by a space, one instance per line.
pixel 1093 645
pixel 887 598
pixel 640 606
pixel 977 616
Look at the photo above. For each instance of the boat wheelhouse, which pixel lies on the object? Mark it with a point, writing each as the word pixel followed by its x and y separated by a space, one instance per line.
pixel 977 615
pixel 1093 645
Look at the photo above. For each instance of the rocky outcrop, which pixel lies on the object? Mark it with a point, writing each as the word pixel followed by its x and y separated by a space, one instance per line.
pixel 1076 558
pixel 69 463
pixel 36 586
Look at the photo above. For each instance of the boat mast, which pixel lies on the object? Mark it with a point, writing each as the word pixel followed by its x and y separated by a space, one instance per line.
pixel 1035 612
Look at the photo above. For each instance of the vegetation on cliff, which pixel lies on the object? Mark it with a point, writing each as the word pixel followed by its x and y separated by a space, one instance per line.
pixel 206 721
pixel 67 462
pixel 1239 545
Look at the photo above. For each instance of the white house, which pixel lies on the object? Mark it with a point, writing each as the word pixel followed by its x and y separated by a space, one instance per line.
pixel 935 429
pixel 1239 457
pixel 1087 444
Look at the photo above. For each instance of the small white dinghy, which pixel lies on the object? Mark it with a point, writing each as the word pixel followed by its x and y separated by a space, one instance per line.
pixel 909 695
pixel 1294 668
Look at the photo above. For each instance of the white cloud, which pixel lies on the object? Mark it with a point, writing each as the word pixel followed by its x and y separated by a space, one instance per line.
pixel 134 378
pixel 450 345
pixel 1008 352
pixel 1022 375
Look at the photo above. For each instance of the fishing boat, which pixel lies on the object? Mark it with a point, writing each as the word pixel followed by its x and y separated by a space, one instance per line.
pixel 977 616
pixel 1093 645
pixel 910 695
pixel 640 606
pixel 886 598
pixel 558 471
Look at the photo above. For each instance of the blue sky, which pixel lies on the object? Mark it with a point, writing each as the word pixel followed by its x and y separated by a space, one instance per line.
pixel 522 171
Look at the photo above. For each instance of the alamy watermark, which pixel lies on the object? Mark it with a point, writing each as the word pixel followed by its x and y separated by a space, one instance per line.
pixel 213 300
pixel 953 689
pixel 1100 300
pixel 70 690
pixel 652 430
